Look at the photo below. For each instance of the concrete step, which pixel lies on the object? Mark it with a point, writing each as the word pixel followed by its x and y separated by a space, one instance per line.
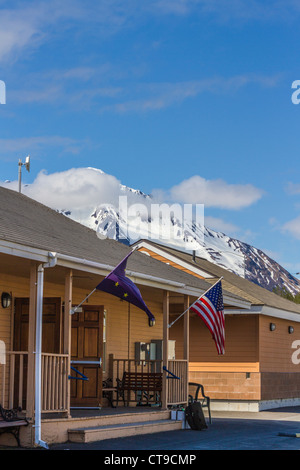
pixel 131 417
pixel 98 433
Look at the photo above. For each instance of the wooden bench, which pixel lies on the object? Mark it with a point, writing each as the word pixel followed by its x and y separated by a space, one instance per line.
pixel 143 382
pixel 204 400
pixel 11 423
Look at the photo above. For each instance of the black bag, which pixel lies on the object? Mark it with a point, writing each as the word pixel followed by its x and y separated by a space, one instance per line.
pixel 195 417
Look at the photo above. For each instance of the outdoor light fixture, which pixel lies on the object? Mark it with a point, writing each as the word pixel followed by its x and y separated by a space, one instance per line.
pixel 272 326
pixel 291 330
pixel 151 322
pixel 5 300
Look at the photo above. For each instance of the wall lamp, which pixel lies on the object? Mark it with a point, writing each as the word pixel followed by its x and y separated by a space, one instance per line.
pixel 5 300
pixel 272 326
pixel 291 330
pixel 151 322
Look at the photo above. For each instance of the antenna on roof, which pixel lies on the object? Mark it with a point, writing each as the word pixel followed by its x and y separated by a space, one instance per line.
pixel 27 166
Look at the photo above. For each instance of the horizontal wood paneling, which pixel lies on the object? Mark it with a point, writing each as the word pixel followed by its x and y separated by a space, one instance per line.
pixel 17 287
pixel 241 344
pixel 171 263
pixel 226 367
pixel 275 347
pixel 126 324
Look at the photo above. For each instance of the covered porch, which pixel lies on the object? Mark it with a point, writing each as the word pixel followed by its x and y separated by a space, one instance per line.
pixel 81 352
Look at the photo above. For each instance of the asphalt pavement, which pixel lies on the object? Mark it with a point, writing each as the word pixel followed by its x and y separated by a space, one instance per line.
pixel 267 430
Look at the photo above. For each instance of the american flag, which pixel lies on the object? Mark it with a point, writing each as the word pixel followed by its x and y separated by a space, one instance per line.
pixel 210 309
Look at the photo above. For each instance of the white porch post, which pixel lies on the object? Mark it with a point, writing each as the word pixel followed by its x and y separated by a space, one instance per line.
pixel 166 312
pixel 38 356
pixel 186 340
pixel 67 328
pixel 31 342
pixel 38 347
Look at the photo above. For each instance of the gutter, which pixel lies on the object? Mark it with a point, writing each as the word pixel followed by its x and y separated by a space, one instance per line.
pixel 38 346
pixel 16 249
pixel 267 311
pixel 73 262
pixel 144 279
pixel 280 313
pixel 106 269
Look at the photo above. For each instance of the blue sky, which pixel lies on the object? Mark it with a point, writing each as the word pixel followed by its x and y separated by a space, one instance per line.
pixel 191 98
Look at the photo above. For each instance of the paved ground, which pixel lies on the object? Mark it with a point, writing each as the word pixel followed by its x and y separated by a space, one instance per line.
pixel 228 431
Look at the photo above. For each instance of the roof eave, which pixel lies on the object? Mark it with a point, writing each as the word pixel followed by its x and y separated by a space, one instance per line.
pixel 267 311
pixel 42 256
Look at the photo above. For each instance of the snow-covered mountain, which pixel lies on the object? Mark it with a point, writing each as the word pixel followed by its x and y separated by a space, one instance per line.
pixel 136 221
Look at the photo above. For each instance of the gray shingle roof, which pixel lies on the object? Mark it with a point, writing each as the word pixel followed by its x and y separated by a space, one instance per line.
pixel 233 283
pixel 30 223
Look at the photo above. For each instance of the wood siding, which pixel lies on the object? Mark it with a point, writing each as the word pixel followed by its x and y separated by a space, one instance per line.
pixel 241 343
pixel 279 359
pixel 17 287
pixel 171 263
pixel 234 376
pixel 126 324
pixel 276 347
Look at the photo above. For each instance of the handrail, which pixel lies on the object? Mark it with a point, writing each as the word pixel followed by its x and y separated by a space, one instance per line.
pixel 173 376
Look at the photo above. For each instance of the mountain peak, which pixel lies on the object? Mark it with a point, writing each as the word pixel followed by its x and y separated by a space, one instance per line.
pixel 217 247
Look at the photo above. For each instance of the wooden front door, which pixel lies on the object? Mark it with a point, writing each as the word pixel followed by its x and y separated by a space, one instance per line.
pixel 86 356
pixel 50 329
pixel 50 333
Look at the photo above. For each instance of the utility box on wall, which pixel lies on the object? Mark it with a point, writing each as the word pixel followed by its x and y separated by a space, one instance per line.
pixel 154 350
pixel 159 349
pixel 142 351
pixel 171 349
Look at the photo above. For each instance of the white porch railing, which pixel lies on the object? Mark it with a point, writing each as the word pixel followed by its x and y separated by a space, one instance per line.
pixel 54 382
pixel 13 381
pixel 177 387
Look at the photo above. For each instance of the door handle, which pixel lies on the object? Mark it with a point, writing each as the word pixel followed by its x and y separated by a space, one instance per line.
pixel 100 362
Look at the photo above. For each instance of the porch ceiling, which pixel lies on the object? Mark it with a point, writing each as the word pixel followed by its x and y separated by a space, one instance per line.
pixel 14 266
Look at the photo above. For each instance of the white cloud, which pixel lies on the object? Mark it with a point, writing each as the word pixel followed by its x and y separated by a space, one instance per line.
pixel 78 189
pixel 156 96
pixel 26 25
pixel 293 227
pixel 225 10
pixel 23 26
pixel 82 190
pixel 102 87
pixel 293 188
pixel 36 144
pixel 212 193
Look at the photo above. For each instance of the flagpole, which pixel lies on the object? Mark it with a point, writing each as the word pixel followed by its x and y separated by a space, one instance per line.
pixel 73 310
pixel 171 324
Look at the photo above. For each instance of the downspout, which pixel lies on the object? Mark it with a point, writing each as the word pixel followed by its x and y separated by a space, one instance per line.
pixel 38 346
